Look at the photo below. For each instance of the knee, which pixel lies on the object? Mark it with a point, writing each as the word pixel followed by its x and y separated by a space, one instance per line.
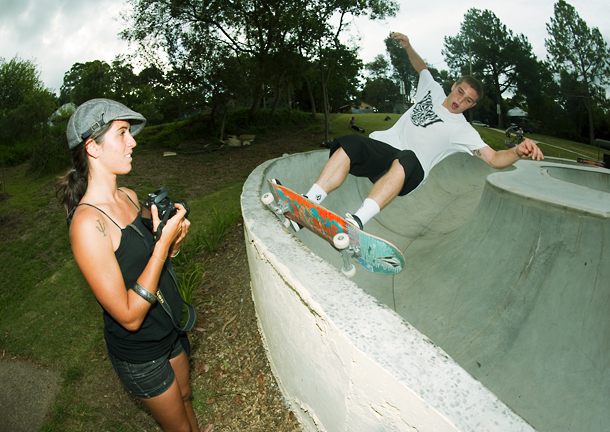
pixel 397 168
pixel 186 393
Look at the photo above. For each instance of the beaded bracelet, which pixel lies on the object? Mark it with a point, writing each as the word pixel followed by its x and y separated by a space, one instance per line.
pixel 144 293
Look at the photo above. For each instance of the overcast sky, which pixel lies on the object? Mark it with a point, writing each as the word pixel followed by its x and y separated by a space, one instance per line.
pixel 58 33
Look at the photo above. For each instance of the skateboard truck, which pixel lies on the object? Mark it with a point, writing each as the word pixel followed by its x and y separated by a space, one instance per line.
pixel 277 209
pixel 342 243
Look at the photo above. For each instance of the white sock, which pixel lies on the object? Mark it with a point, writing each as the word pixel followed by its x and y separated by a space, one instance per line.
pixel 316 194
pixel 367 211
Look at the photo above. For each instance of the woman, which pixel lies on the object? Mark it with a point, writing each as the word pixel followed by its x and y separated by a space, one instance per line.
pixel 122 263
pixel 352 124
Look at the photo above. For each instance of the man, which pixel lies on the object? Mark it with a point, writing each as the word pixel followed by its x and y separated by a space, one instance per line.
pixel 399 160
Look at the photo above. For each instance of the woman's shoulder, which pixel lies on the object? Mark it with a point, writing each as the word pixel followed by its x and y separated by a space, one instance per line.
pixel 130 193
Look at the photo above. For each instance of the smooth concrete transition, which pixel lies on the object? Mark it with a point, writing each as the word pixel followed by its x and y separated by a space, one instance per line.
pixel 499 321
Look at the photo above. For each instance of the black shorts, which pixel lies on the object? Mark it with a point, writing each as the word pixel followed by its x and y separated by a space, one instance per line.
pixel 372 159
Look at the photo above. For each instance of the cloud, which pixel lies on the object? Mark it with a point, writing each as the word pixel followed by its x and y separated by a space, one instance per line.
pixel 60 33
pixel 427 23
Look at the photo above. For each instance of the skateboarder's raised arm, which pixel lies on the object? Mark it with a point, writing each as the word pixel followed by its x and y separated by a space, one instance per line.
pixel 416 61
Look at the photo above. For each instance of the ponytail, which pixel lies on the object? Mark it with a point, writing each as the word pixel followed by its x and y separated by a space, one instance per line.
pixel 71 187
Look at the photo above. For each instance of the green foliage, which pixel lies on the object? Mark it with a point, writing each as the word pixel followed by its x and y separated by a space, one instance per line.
pixel 224 56
pixel 202 127
pixel 402 69
pixel 493 53
pixel 85 81
pixel 51 155
pixel 25 105
pixel 581 57
pixel 381 93
pixel 211 239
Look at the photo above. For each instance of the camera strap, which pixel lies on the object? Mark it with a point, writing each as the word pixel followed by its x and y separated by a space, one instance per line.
pixel 188 315
pixel 157 234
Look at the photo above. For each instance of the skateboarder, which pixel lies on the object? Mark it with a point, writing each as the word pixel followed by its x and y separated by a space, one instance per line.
pixel 399 159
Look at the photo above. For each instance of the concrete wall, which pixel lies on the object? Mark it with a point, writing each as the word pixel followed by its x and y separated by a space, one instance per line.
pixel 345 361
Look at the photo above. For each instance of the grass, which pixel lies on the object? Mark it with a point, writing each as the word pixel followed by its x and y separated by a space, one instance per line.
pixel 49 315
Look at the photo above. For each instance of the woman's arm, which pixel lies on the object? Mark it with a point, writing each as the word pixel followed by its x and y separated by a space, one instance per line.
pixel 94 254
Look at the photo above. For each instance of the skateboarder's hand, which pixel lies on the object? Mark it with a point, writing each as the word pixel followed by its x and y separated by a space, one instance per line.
pixel 402 39
pixel 530 150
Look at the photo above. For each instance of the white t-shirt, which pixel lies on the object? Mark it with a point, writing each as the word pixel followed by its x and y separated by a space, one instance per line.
pixel 429 129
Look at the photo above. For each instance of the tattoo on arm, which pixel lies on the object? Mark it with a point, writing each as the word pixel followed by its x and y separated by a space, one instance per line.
pixel 101 227
pixel 477 153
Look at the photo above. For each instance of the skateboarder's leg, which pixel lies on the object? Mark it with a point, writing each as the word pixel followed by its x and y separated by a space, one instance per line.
pixel 384 191
pixel 332 176
pixel 389 186
pixel 403 176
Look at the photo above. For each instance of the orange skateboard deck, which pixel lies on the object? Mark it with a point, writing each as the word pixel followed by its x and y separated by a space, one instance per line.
pixel 373 253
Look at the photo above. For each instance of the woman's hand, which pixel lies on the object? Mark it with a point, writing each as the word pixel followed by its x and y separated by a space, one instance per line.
pixel 183 230
pixel 174 231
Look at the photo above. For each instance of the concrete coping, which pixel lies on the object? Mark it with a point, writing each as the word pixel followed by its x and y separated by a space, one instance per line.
pixel 581 189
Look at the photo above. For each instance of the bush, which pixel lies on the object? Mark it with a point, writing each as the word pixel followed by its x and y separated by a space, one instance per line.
pixel 51 154
pixel 200 127
pixel 15 154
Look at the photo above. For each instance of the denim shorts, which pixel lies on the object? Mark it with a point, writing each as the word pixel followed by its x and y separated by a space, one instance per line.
pixel 147 380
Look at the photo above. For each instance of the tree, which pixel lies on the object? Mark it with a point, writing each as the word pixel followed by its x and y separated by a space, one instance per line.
pixel 379 67
pixel 403 71
pixel 25 104
pixel 85 81
pixel 320 40
pixel 487 48
pixel 581 52
pixel 380 91
pixel 265 33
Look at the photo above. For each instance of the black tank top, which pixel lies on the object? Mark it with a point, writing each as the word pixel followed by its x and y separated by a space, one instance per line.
pixel 157 334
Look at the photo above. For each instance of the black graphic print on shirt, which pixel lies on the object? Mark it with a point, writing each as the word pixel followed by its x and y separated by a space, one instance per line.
pixel 423 115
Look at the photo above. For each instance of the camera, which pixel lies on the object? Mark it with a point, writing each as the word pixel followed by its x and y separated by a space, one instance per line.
pixel 165 206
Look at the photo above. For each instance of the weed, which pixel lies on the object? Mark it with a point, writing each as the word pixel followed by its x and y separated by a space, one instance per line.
pixel 211 239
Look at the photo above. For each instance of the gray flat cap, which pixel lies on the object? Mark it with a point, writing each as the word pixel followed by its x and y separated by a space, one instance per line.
pixel 94 114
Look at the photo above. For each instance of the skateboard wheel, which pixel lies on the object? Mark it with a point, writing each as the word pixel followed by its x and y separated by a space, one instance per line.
pixel 349 272
pixel 287 222
pixel 341 241
pixel 267 198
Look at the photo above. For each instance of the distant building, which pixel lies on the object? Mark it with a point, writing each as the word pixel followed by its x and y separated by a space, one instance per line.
pixel 363 108
pixel 63 111
pixel 516 115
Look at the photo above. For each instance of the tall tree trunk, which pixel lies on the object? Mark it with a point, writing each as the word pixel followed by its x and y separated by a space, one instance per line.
pixel 591 124
pixel 499 104
pixel 278 92
pixel 289 98
pixel 326 102
pixel 256 103
pixel 222 124
pixel 312 100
